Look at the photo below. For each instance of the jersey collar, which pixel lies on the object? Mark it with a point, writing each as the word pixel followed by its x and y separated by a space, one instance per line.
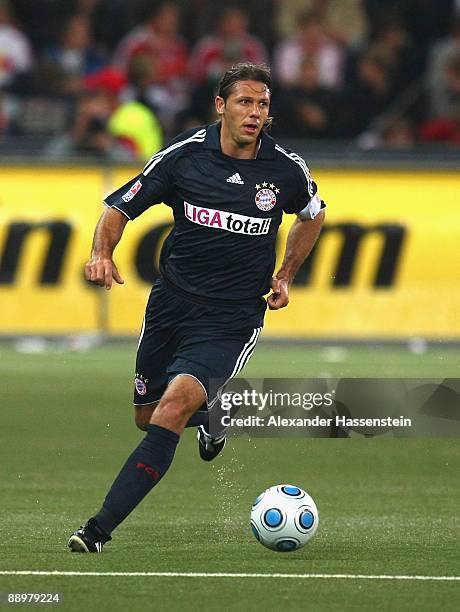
pixel 212 141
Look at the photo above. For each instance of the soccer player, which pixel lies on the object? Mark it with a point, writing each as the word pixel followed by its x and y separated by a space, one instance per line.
pixel 228 185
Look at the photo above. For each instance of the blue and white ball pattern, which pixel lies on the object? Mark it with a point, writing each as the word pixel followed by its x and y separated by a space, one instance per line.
pixel 284 518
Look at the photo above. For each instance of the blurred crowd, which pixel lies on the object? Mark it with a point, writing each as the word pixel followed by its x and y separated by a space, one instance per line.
pixel 117 79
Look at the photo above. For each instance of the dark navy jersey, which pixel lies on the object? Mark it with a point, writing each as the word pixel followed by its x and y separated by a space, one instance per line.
pixel 227 211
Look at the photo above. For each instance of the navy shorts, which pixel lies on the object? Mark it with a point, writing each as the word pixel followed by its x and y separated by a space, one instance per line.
pixel 181 335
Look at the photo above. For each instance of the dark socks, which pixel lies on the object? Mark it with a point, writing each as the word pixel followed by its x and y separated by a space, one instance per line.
pixel 142 471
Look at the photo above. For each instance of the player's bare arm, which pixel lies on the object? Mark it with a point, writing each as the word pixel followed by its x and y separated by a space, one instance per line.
pixel 301 239
pixel 101 269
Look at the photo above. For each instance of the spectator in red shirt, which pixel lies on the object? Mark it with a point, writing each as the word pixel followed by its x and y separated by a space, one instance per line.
pixel 160 39
pixel 230 44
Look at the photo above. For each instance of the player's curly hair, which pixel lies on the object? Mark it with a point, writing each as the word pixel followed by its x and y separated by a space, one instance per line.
pixel 244 72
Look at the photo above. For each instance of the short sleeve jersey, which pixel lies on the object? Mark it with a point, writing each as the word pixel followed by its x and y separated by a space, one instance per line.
pixel 227 211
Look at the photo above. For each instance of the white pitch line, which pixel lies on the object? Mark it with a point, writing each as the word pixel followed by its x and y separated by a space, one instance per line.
pixel 226 575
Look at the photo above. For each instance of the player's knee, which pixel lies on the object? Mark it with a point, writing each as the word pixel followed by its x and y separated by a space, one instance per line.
pixel 176 407
pixel 181 399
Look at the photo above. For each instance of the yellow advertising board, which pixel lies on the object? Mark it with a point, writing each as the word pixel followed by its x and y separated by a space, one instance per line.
pixel 47 217
pixel 387 264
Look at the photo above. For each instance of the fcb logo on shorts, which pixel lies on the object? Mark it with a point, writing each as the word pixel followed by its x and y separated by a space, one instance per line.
pixel 129 195
pixel 265 198
pixel 140 386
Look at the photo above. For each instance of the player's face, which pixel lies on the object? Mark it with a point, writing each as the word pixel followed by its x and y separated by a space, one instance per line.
pixel 244 114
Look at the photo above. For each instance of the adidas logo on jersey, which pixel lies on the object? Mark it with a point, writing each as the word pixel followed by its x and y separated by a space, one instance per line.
pixel 235 178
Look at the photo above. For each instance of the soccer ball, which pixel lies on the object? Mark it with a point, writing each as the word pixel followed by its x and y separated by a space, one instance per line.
pixel 284 518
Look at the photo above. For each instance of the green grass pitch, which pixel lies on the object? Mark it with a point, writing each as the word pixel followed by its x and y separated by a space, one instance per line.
pixel 387 506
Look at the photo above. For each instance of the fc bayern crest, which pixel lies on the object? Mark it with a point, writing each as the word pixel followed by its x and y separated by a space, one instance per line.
pixel 265 199
pixel 140 385
pixel 266 195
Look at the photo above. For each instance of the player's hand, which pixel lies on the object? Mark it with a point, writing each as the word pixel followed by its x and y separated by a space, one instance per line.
pixel 102 271
pixel 279 298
